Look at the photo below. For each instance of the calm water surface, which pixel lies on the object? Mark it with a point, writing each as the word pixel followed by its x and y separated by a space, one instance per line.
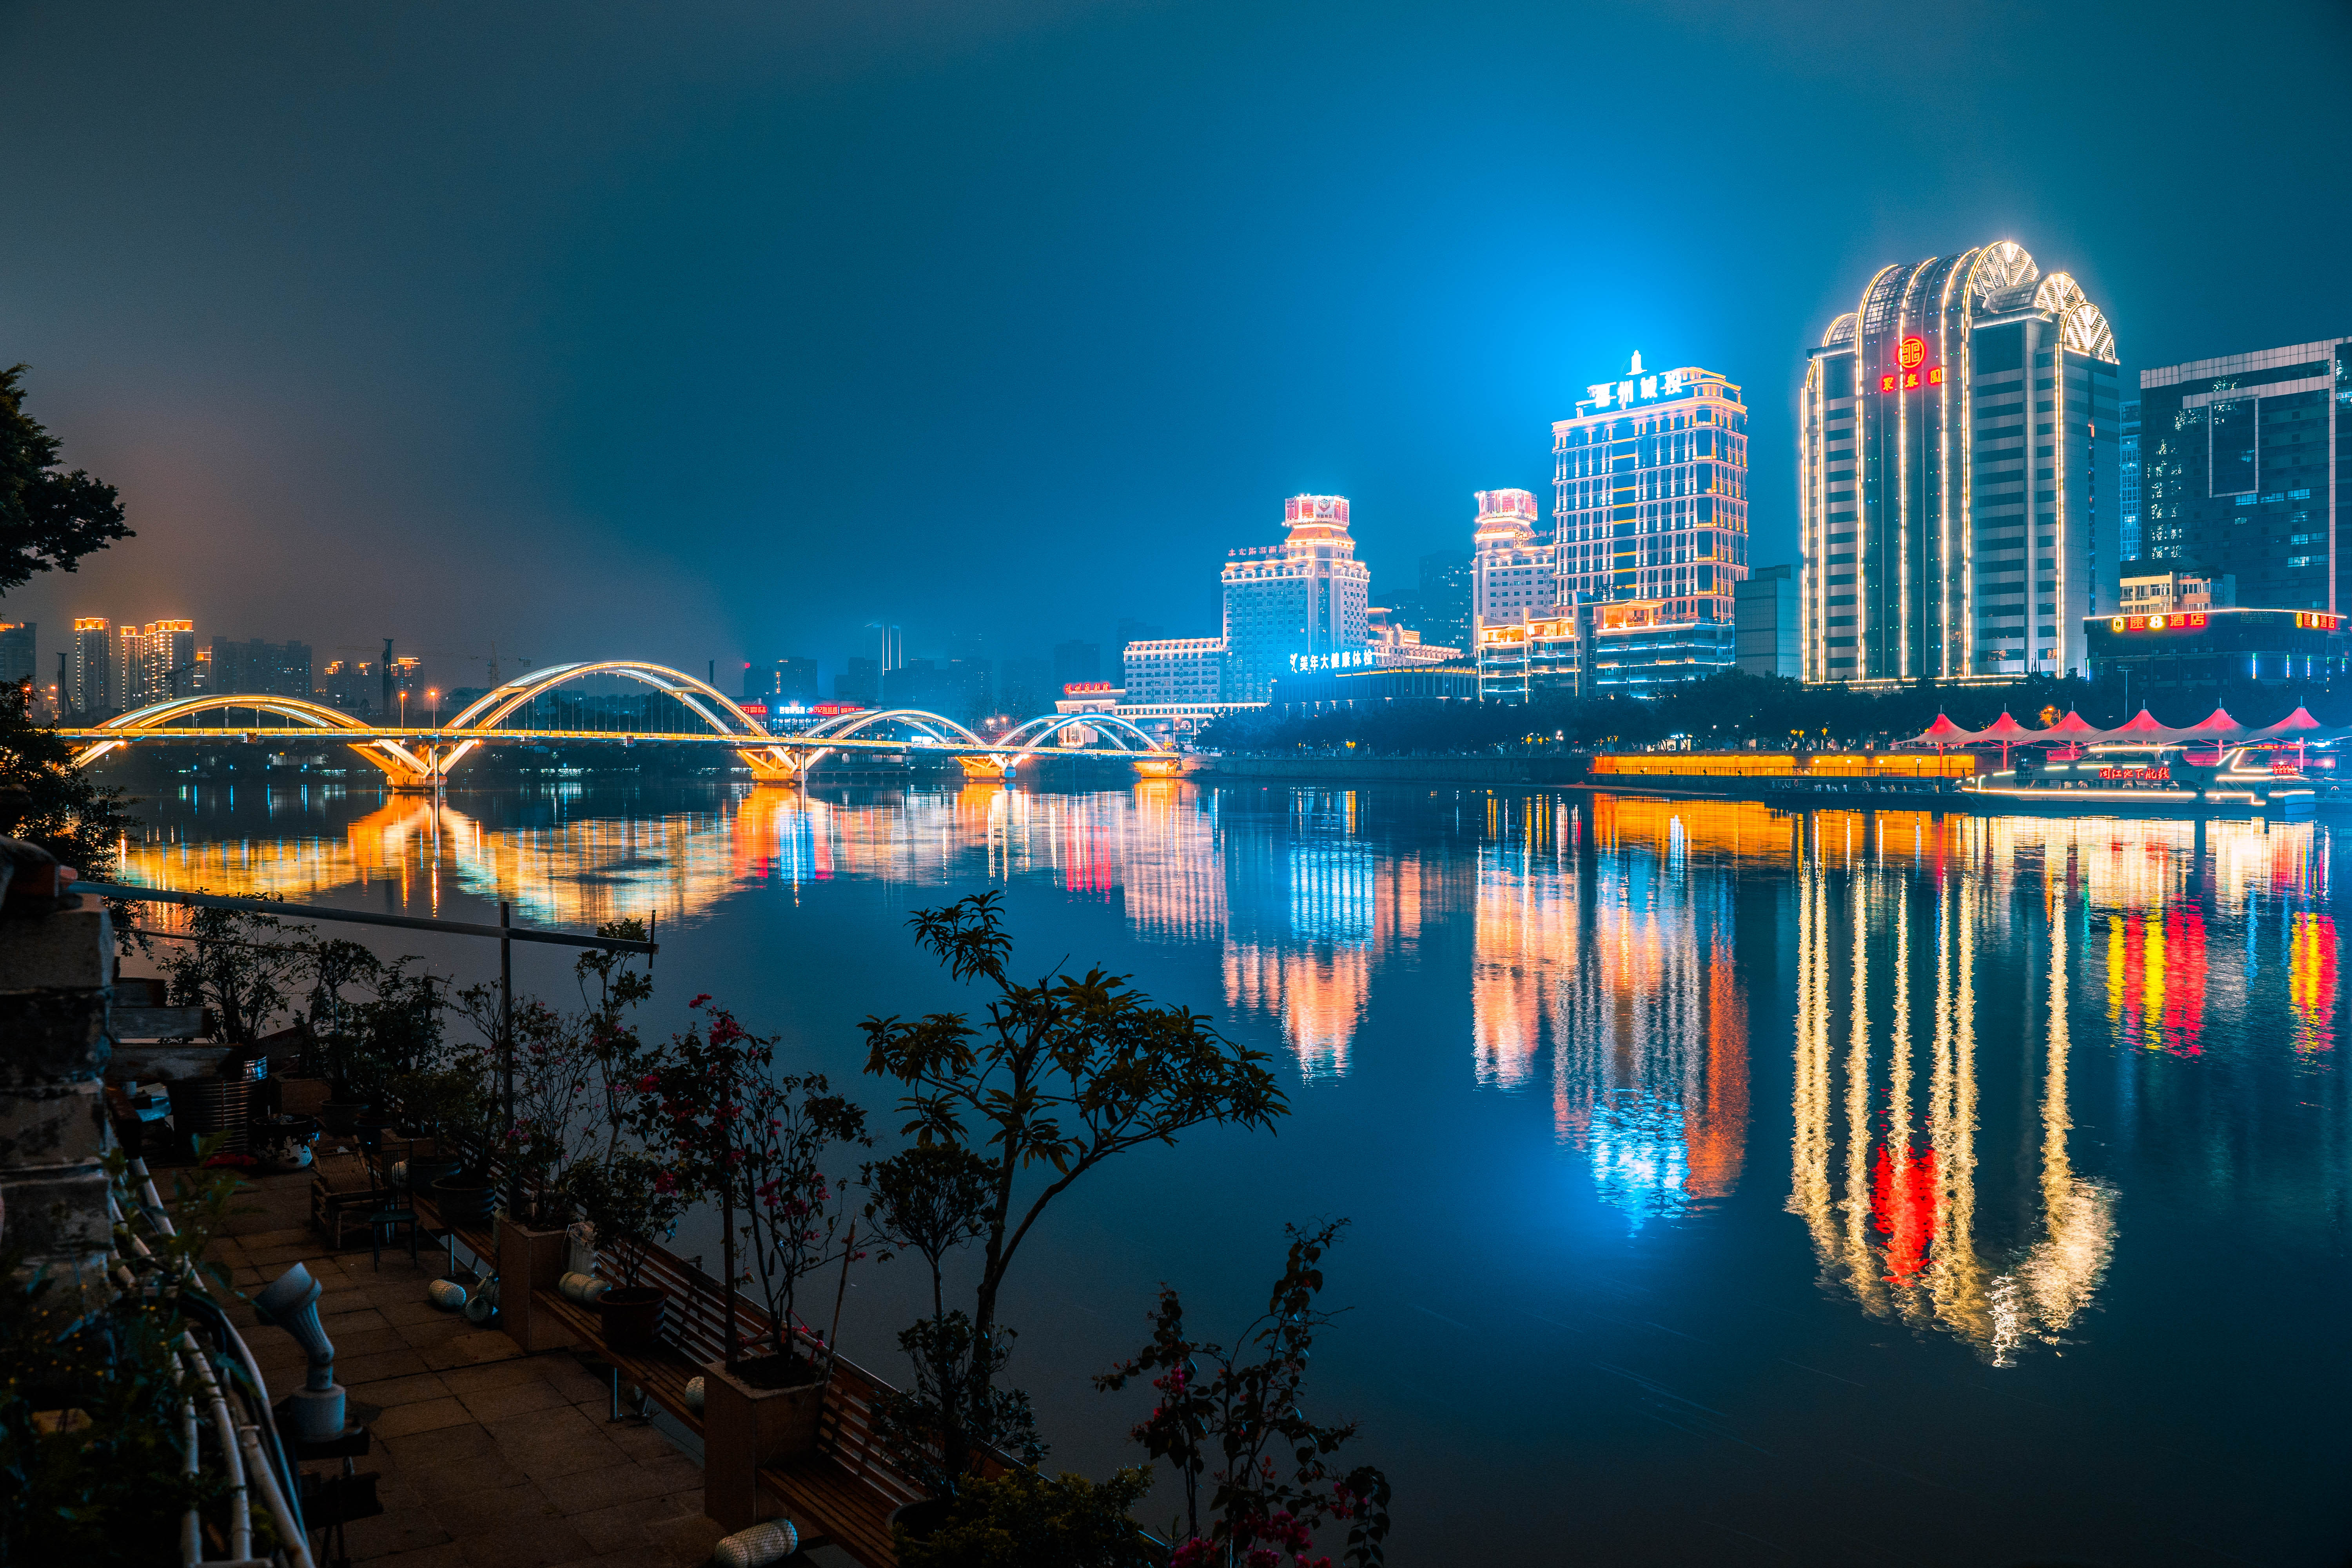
pixel 1727 1186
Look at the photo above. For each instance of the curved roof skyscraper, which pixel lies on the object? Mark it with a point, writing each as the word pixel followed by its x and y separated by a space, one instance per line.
pixel 1956 474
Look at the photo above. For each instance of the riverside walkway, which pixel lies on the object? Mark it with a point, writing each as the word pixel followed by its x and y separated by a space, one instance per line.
pixel 489 1459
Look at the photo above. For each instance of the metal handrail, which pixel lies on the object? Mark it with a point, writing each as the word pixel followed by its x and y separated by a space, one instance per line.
pixel 362 917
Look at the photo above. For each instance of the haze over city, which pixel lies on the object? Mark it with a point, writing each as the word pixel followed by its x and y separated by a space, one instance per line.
pixel 716 333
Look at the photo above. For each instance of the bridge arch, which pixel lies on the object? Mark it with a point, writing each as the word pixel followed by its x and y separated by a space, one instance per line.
pixel 1048 725
pixel 845 726
pixel 701 698
pixel 398 763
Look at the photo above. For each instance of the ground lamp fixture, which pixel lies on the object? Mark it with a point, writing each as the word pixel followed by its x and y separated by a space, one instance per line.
pixel 315 1411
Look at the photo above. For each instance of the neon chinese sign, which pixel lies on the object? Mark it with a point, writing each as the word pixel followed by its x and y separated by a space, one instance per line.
pixel 1911 354
pixel 2179 621
pixel 1648 388
pixel 2318 620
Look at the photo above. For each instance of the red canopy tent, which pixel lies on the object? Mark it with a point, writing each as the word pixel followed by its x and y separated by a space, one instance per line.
pixel 2143 727
pixel 1943 732
pixel 2074 727
pixel 2295 726
pixel 2216 726
pixel 2006 730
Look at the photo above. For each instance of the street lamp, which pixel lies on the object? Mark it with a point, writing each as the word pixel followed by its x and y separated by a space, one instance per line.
pixel 403 708
pixel 433 695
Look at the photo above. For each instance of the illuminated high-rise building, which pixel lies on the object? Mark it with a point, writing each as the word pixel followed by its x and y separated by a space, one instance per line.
pixel 1650 493
pixel 91 672
pixel 1296 604
pixel 1514 577
pixel 18 661
pixel 2242 465
pixel 1956 476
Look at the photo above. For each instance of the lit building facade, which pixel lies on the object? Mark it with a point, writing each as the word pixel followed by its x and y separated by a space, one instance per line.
pixel 1176 670
pixel 1302 599
pixel 1514 571
pixel 1650 493
pixel 1957 475
pixel 1635 649
pixel 2240 466
pixel 19 661
pixel 2128 481
pixel 90 671
pixel 2161 592
pixel 154 663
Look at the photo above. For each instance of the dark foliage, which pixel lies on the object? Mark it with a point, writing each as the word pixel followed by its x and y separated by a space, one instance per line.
pixel 1062 1074
pixel 48 519
pixel 1237 1419
pixel 1025 1520
pixel 46 800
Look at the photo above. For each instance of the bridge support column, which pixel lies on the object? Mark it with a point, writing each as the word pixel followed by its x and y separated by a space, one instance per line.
pixel 772 765
pixel 1158 767
pixel 998 770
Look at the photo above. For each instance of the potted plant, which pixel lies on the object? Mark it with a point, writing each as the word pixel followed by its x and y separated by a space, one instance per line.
pixel 930 1200
pixel 632 1203
pixel 757 1142
pixel 1057 1077
pixel 333 964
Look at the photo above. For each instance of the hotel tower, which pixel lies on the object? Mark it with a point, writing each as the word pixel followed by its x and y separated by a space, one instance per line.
pixel 1956 474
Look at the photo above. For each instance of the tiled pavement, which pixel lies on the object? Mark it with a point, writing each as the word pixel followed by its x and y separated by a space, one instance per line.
pixel 491 1459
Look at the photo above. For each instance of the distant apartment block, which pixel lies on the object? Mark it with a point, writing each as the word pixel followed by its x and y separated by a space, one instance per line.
pixel 2241 467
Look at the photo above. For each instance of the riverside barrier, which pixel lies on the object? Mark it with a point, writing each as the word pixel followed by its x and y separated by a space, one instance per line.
pixel 1466 770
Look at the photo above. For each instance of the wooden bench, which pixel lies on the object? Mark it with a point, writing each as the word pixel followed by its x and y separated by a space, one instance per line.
pixel 845 1492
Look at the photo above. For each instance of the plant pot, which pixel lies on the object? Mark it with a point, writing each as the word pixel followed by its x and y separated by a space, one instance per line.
pixel 746 1429
pixel 343 1116
pixel 919 1521
pixel 461 1199
pixel 633 1316
pixel 530 1261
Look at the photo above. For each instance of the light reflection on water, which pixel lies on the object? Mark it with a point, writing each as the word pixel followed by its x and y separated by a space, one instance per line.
pixel 2001 1037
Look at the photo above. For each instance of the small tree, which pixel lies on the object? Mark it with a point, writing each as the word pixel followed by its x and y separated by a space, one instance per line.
pixel 793 1211
pixel 930 1199
pixel 690 1110
pixel 332 965
pixel 245 965
pixel 612 987
pixel 632 1202
pixel 1241 1422
pixel 1064 1073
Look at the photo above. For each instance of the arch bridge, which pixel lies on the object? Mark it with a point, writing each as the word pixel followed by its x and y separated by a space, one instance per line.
pixel 422 757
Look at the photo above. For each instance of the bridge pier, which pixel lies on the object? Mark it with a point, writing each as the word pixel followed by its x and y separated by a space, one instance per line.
pixel 995 770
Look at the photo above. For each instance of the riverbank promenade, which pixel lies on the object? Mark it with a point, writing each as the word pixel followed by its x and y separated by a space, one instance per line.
pixel 490 1457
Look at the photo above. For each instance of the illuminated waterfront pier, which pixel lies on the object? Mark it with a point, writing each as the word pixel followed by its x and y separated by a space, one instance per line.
pixel 420 757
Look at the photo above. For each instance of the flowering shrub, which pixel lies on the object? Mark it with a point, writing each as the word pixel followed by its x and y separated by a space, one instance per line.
pixel 732 1129
pixel 1235 1423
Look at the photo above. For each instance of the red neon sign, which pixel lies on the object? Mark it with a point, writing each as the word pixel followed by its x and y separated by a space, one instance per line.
pixel 1912 380
pixel 1911 354
pixel 2325 623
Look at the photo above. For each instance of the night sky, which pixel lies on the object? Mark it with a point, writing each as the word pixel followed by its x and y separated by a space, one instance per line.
pixel 697 332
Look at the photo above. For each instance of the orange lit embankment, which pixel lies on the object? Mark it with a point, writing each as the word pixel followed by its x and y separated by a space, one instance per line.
pixel 1770 766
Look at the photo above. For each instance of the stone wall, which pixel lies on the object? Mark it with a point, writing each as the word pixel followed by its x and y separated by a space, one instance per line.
pixel 54 970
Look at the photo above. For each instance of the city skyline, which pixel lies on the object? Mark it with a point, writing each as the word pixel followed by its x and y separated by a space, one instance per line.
pixel 408 399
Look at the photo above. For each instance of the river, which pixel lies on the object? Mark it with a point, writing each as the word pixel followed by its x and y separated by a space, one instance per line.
pixel 1725 1185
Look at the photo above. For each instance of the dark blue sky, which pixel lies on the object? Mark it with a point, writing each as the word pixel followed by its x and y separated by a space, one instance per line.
pixel 710 332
